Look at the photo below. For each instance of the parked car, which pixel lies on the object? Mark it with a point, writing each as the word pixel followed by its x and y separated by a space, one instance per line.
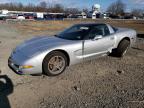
pixel 3 17
pixel 20 17
pixel 13 16
pixel 51 55
pixel 29 16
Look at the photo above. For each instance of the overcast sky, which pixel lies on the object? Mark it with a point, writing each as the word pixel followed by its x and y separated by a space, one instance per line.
pixel 83 3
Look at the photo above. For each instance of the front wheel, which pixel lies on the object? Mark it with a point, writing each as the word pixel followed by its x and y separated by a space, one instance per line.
pixel 54 63
pixel 122 48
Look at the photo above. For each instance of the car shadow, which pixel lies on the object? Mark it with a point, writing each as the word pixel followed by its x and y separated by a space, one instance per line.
pixel 137 48
pixel 113 54
pixel 6 88
pixel 140 35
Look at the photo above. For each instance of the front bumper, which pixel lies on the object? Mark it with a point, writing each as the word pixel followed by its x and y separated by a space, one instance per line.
pixel 18 62
pixel 14 66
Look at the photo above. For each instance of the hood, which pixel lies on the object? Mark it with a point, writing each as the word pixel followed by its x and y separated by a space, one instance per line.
pixel 39 44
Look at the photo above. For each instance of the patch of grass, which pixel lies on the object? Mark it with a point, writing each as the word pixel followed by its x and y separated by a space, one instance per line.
pixel 54 26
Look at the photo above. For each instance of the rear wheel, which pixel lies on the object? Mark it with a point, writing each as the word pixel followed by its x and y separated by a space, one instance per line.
pixel 122 48
pixel 54 63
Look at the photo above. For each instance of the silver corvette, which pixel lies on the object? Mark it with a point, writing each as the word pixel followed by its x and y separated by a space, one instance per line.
pixel 51 55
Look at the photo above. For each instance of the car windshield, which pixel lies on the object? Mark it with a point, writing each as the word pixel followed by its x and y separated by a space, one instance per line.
pixel 76 32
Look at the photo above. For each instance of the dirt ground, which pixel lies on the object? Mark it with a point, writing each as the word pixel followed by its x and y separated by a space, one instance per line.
pixel 106 82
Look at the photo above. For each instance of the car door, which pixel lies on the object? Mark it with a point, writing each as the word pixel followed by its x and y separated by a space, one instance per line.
pixel 99 42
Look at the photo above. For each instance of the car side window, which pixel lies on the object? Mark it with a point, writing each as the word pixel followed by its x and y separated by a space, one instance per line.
pixel 94 32
pixel 97 30
pixel 106 31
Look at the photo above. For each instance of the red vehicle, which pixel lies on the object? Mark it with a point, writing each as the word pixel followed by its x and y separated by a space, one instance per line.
pixel 29 16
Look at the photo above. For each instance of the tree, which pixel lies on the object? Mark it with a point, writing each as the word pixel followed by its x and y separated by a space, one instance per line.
pixel 72 11
pixel 138 12
pixel 57 8
pixel 41 7
pixel 86 10
pixel 117 8
pixel 43 4
pixel 30 7
pixel 20 6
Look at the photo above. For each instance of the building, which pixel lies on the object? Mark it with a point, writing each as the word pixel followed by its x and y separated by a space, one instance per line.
pixel 96 11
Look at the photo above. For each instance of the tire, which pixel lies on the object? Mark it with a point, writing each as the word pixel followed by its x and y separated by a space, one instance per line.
pixel 54 63
pixel 122 48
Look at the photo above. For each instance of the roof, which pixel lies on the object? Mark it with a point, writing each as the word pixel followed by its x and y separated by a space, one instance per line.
pixel 91 24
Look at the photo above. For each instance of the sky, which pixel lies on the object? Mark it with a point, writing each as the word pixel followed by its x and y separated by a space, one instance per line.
pixel 83 3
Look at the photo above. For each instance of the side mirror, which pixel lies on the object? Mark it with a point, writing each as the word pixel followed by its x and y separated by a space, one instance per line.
pixel 97 37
